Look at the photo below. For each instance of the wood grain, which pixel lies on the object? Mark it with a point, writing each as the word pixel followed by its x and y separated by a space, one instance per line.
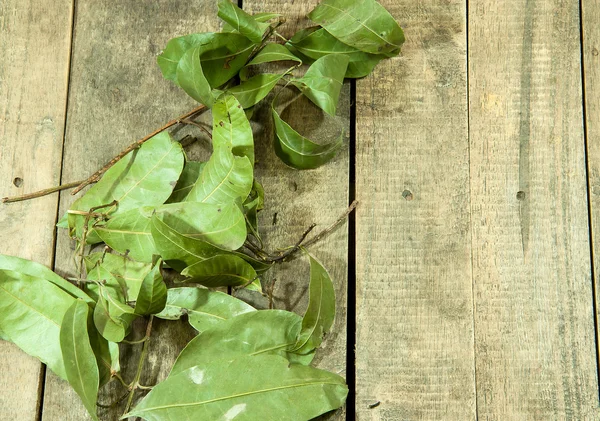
pixel 534 323
pixel 118 95
pixel 296 199
pixel 35 42
pixel 414 306
pixel 591 66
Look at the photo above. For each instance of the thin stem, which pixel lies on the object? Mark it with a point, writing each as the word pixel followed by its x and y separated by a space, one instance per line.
pixel 41 193
pixel 200 126
pixel 136 382
pixel 120 379
pixel 96 176
pixel 115 403
pixel 277 34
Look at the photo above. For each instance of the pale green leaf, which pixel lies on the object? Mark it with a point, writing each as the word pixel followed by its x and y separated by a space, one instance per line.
pixel 264 387
pixel 31 312
pixel 298 151
pixel 204 308
pixel 37 270
pixel 129 233
pixel 80 362
pixel 191 78
pixel 320 313
pixel 251 91
pixel 273 52
pixel 362 24
pixel 323 81
pixel 231 128
pixel 188 178
pixel 144 177
pixel 241 21
pixel 313 43
pixel 255 333
pixel 153 293
pixel 112 316
pixel 221 270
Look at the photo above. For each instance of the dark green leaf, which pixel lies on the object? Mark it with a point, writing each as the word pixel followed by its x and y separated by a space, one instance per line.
pixel 191 78
pixel 129 232
pixel 80 362
pixel 319 316
pixel 107 361
pixel 221 270
pixel 323 81
pixel 144 177
pixel 314 43
pixel 298 151
pixel 31 312
pixel 187 180
pixel 112 316
pixel 255 333
pixel 153 293
pixel 241 21
pixel 36 270
pixel 363 24
pixel 231 128
pixel 204 308
pixel 264 387
pixel 250 92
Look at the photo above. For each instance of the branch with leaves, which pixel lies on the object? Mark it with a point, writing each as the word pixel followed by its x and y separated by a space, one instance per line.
pixel 152 208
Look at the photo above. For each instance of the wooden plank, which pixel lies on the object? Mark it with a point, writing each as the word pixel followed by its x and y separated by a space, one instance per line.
pixel 534 322
pixel 414 351
pixel 35 42
pixel 591 65
pixel 117 95
pixel 296 199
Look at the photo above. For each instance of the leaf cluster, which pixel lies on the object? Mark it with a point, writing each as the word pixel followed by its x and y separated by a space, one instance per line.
pixel 156 211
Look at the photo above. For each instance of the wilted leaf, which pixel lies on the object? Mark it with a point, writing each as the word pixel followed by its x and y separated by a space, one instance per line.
pixel 255 333
pixel 298 151
pixel 231 128
pixel 129 233
pixel 221 270
pixel 188 178
pixel 204 308
pixel 251 91
pixel 36 270
pixel 144 177
pixel 241 21
pixel 31 312
pixel 270 389
pixel 363 24
pixel 79 359
pixel 314 43
pixel 112 316
pixel 320 313
pixel 323 81
pixel 153 293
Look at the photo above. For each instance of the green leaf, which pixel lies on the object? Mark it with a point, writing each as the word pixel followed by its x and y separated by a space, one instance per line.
pixel 231 128
pixel 314 43
pixel 249 334
pixel 129 233
pixel 188 178
pixel 226 178
pixel 253 204
pixel 264 387
pixel 241 21
pixel 323 81
pixel 106 361
pixel 363 24
pixel 204 308
pixel 222 225
pixel 31 312
pixel 112 316
pixel 113 349
pixel 191 78
pixel 153 293
pixel 320 313
pixel 298 151
pixel 222 55
pixel 221 270
pixel 273 52
pixel 250 92
pixel 36 270
pixel 144 177
pixel 120 271
pixel 80 362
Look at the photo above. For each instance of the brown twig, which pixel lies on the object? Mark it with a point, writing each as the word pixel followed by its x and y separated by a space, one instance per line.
pixel 96 176
pixel 200 126
pixel 41 193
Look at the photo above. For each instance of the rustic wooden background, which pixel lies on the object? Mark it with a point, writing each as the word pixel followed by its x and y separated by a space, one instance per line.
pixel 475 156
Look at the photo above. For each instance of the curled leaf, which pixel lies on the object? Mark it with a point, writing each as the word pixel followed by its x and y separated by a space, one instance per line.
pixel 153 293
pixel 241 21
pixel 188 178
pixel 221 270
pixel 112 316
pixel 253 90
pixel 231 128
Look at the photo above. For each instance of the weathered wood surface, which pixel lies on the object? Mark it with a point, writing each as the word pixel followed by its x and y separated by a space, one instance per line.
pixel 35 43
pixel 414 307
pixel 591 66
pixel 117 95
pixel 534 324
